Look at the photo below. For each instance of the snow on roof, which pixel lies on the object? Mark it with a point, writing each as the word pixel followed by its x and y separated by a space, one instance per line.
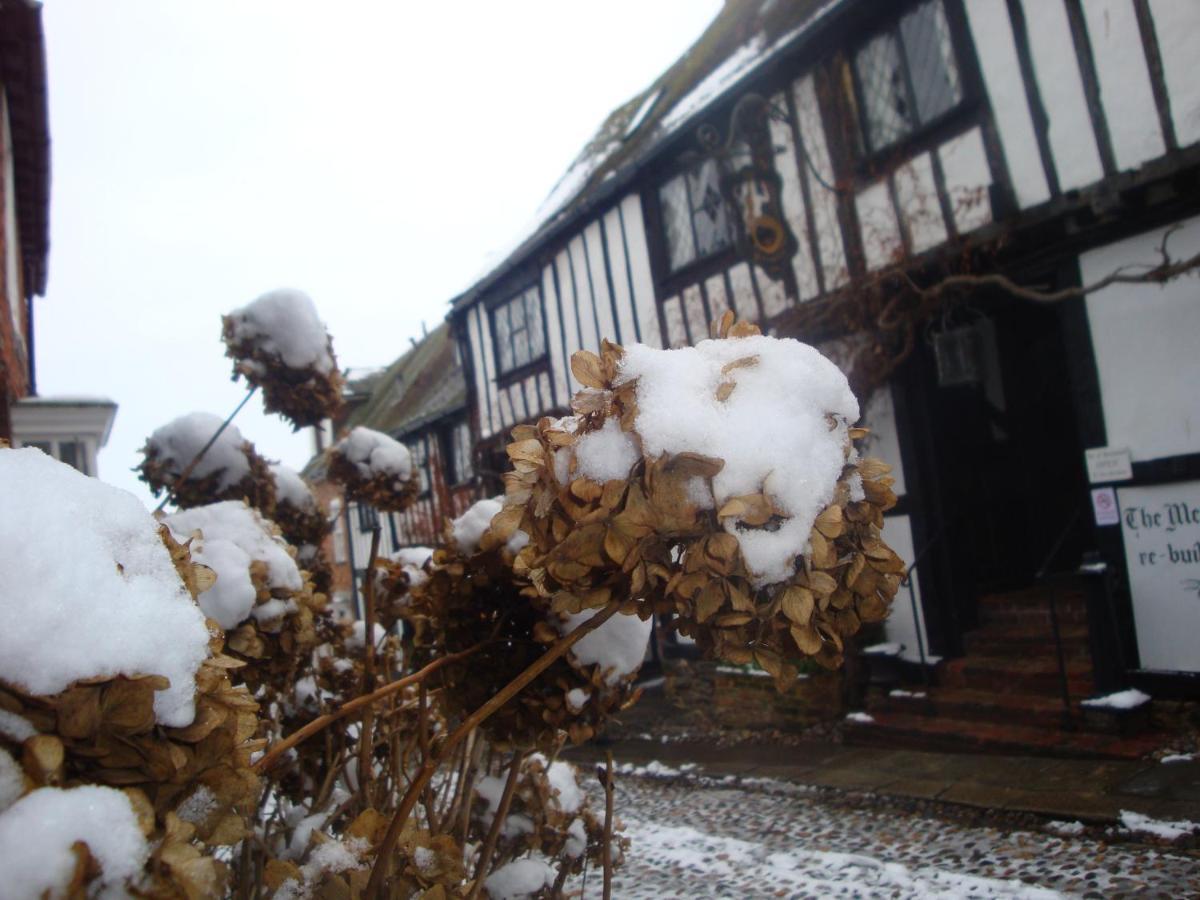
pixel 180 440
pixel 722 58
pixel 782 430
pixel 232 536
pixel 87 588
pixel 38 831
pixel 285 323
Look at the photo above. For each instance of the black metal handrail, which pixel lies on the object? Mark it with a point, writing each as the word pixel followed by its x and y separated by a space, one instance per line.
pixel 1053 579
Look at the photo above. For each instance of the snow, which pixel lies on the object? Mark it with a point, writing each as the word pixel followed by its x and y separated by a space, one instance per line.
pixel 415 557
pixel 607 454
pixel 562 778
pixel 715 83
pixel 771 431
pixel 36 834
pixel 284 323
pixel 373 453
pixel 900 692
pixel 643 110
pixel 15 728
pixel 232 536
pixel 198 805
pixel 1066 829
pixel 424 859
pixel 470 526
pixel 290 488
pixel 1172 758
pixel 1127 699
pixel 491 789
pixel 618 646
pixel 334 856
pixel 87 588
pixel 520 878
pixel 887 649
pixel 178 442
pixel 861 718
pixel 358 634
pixel 12 780
pixel 1169 831
pixel 576 839
pixel 577 699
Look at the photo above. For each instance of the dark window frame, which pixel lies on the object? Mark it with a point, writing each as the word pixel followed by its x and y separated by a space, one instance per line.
pixel 869 160
pixel 421 465
pixel 367 516
pixel 518 370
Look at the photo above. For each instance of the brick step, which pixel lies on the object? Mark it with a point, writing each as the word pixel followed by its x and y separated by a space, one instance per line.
pixel 916 732
pixel 1024 640
pixel 1031 607
pixel 979 706
pixel 1016 675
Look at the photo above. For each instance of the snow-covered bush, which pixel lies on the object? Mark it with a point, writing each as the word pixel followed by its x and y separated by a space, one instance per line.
pixel 230 469
pixel 717 483
pixel 278 343
pixel 110 676
pixel 374 468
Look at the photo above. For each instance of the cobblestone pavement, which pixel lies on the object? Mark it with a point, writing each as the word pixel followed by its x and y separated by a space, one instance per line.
pixel 757 838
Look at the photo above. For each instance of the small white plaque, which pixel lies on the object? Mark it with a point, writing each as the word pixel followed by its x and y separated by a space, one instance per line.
pixel 1106 464
pixel 1104 506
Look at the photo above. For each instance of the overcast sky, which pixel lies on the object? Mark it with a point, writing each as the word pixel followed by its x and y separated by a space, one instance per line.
pixel 374 154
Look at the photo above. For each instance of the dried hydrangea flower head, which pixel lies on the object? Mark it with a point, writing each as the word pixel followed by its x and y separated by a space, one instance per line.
pixel 718 484
pixel 304 523
pixel 278 343
pixel 375 469
pixel 472 595
pixel 261 597
pixel 111 677
pixel 230 469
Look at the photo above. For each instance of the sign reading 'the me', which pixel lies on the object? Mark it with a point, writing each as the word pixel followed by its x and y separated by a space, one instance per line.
pixel 1161 527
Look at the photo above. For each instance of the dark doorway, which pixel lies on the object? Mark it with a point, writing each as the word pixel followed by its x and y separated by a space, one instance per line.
pixel 1004 452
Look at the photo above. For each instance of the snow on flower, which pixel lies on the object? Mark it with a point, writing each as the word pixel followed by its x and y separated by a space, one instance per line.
pixel 88 590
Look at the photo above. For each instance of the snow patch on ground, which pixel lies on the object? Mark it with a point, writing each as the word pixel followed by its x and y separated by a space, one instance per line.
pixel 1128 699
pixel 1140 824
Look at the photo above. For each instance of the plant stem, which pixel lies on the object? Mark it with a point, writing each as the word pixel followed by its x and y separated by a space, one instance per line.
pixel 514 687
pixel 493 835
pixel 196 459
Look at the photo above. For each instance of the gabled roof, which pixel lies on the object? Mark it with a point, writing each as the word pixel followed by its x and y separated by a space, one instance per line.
pixel 423 385
pixel 23 77
pixel 744 39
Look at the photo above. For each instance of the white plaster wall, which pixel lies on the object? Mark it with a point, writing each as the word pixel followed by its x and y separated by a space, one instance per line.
pixel 1177 27
pixel 1145 340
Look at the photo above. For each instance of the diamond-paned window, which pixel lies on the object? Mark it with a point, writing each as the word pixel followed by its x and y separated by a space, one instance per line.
pixel 517 326
pixel 907 76
pixel 694 215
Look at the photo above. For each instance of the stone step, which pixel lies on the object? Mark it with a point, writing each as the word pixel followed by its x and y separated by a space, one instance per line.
pixel 1022 639
pixel 1016 675
pixel 919 732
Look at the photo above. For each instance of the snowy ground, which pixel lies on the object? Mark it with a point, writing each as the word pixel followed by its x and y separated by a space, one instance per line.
pixel 696 838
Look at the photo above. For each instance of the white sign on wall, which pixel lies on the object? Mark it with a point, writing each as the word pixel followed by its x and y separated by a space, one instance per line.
pixel 1161 527
pixel 1109 464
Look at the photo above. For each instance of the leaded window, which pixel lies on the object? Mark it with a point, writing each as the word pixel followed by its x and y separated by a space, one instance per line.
pixel 368 517
pixel 695 218
pixel 460 445
pixel 907 76
pixel 419 451
pixel 517 326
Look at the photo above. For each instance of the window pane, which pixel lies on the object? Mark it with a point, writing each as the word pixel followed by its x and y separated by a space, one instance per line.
pixel 71 453
pixel 930 56
pixel 462 452
pixel 677 222
pixel 520 348
pixel 709 213
pixel 516 313
pixel 888 112
pixel 533 322
pixel 503 337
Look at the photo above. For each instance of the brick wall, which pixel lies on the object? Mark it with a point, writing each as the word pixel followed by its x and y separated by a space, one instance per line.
pixel 741 700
